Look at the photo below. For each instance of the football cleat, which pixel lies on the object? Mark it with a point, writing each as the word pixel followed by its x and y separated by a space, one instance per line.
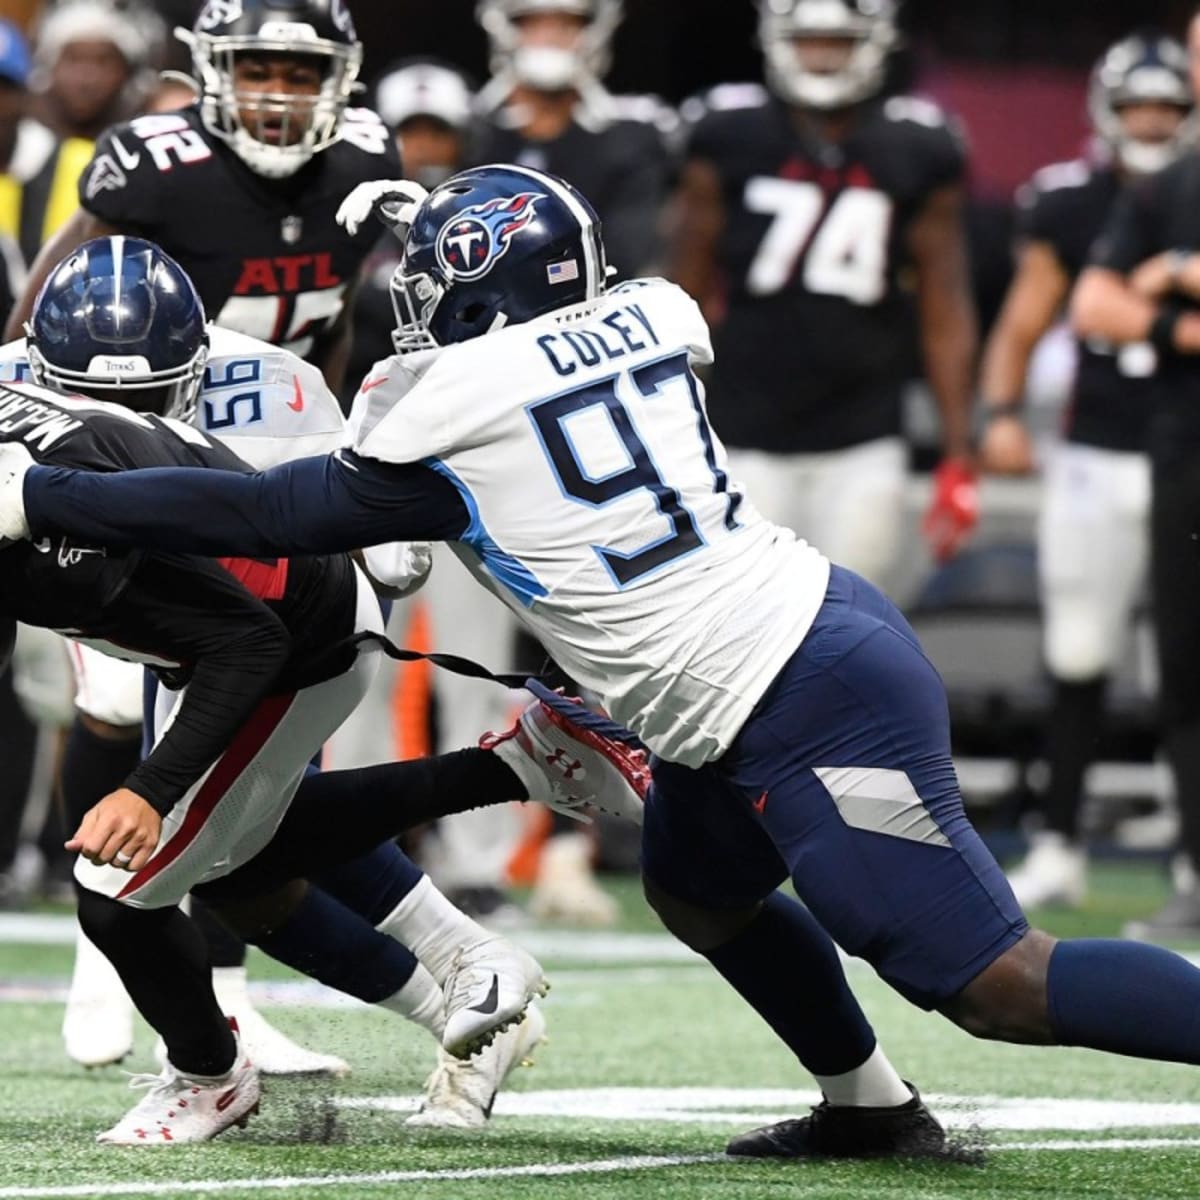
pixel 567 757
pixel 460 1092
pixel 908 1130
pixel 489 987
pixel 97 1026
pixel 179 1108
pixel 1054 872
pixel 566 889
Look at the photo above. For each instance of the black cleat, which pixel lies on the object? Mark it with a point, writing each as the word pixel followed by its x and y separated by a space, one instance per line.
pixel 908 1130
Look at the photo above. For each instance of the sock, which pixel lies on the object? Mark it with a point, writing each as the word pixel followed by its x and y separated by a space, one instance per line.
pixel 873 1085
pixel 372 884
pixel 161 959
pixel 1071 745
pixel 421 1001
pixel 1181 742
pixel 327 941
pixel 225 948
pixel 432 928
pixel 787 968
pixel 93 766
pixel 1126 998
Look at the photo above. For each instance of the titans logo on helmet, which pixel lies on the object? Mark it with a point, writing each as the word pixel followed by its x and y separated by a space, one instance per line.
pixel 478 237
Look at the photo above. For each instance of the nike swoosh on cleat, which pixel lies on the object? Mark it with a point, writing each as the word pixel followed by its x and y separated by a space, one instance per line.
pixel 223 1102
pixel 493 998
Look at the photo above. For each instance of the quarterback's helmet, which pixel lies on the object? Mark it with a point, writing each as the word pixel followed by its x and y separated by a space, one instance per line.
pixel 1147 68
pixel 118 320
pixel 867 26
pixel 316 29
pixel 550 68
pixel 490 247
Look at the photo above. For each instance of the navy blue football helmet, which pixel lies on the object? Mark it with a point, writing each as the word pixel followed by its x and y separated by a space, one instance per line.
pixel 119 320
pixel 490 247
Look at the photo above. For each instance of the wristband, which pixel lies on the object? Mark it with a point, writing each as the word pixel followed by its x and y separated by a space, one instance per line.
pixel 1009 408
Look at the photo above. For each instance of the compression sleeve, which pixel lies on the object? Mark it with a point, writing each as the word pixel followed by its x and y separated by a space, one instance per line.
pixel 312 506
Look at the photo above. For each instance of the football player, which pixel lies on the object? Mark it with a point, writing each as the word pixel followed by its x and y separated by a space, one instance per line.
pixel 150 351
pixel 1093 532
pixel 261 660
pixel 806 214
pixel 240 189
pixel 555 431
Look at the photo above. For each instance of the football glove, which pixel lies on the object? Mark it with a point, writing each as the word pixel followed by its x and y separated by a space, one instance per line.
pixel 954 509
pixel 401 566
pixel 393 202
pixel 15 461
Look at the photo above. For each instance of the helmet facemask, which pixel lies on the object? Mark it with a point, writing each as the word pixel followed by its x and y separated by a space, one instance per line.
pixel 868 28
pixel 303 124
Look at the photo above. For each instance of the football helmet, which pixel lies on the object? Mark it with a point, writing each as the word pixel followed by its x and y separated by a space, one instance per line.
pixel 549 68
pixel 490 247
pixel 319 29
pixel 1146 68
pixel 118 320
pixel 869 26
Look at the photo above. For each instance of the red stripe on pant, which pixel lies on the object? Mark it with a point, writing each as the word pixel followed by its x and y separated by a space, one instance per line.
pixel 250 739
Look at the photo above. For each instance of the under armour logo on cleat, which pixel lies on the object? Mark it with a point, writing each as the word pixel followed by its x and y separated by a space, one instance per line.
pixel 491 1003
pixel 566 765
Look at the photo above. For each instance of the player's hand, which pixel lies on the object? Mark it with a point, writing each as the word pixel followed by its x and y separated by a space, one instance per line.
pixel 1006 447
pixel 392 201
pixel 954 509
pixel 15 461
pixel 1165 273
pixel 399 568
pixel 1187 333
pixel 122 829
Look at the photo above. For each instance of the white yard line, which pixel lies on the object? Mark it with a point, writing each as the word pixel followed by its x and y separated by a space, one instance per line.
pixel 604 1166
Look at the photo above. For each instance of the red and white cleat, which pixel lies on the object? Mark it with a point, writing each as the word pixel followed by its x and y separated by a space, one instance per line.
pixel 562 753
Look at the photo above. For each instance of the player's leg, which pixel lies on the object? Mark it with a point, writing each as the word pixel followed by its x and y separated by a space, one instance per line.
pixel 1092 557
pixel 710 874
pixel 858 515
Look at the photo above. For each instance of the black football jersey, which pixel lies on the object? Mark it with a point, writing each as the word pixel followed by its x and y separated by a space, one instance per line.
pixel 1151 215
pixel 1065 206
pixel 818 334
pixel 266 256
pixel 622 166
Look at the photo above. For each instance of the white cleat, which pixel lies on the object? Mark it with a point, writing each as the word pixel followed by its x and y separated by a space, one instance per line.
pixel 1054 872
pixel 566 888
pixel 97 1026
pixel 460 1092
pixel 561 752
pixel 490 985
pixel 178 1108
pixel 271 1050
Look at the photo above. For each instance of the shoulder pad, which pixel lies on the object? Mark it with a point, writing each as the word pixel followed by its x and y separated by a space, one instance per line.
pixel 647 110
pixel 1052 178
pixel 725 97
pixel 917 110
pixel 364 129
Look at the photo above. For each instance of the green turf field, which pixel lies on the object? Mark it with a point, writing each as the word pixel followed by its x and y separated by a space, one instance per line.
pixel 652 1063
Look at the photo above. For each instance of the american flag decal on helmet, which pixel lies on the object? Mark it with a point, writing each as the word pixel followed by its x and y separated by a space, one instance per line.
pixel 563 272
pixel 470 244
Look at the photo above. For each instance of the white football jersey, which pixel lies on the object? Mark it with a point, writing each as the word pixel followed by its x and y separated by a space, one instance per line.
pixel 601 511
pixel 266 404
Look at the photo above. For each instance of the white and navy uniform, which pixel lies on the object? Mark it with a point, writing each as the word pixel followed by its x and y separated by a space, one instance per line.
pixel 797 727
pixel 818 335
pixel 1094 525
pixel 266 405
pixel 256 655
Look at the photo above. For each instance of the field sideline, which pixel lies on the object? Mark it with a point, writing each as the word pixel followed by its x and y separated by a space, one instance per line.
pixel 652 1063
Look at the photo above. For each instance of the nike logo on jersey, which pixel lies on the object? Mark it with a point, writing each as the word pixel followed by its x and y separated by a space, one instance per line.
pixel 296 404
pixel 760 803
pixel 42 547
pixel 492 1001
pixel 127 160
pixel 373 383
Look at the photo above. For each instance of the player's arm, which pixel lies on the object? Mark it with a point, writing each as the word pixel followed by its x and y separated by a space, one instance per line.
pixel 632 216
pixel 696 219
pixel 1035 297
pixel 80 227
pixel 313 506
pixel 191 611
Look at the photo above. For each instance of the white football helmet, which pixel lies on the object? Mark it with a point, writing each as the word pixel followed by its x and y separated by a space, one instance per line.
pixel 549 68
pixel 870 27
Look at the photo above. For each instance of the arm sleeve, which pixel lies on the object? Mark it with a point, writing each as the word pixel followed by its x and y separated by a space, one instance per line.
pixel 313 506
pixel 234 645
pixel 1133 232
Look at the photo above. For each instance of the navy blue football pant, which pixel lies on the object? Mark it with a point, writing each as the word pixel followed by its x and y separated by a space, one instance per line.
pixel 842 781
